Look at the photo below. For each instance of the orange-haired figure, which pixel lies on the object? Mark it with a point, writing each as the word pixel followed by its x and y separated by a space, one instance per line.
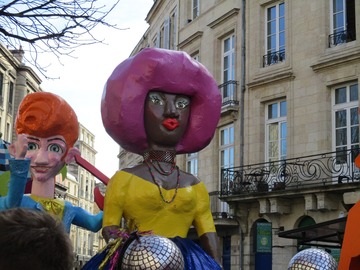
pixel 350 251
pixel 51 128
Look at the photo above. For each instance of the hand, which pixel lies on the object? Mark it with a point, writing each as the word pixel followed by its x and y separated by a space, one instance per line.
pixel 19 148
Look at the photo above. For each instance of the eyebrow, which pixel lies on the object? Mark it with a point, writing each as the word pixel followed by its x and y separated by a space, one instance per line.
pixel 50 140
pixel 57 139
pixel 33 138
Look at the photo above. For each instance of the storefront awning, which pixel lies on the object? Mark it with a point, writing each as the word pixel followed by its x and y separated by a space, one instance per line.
pixel 327 234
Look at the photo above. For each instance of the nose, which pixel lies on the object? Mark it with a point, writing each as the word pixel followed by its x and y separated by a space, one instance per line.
pixel 41 157
pixel 171 110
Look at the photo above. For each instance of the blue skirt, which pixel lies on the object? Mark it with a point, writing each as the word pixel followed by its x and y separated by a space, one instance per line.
pixel 194 256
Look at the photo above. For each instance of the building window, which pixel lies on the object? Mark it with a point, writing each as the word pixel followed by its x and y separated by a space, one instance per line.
pixel 173 29
pixel 275 35
pixel 227 147
pixel 156 41
pixel 1 89
pixel 195 8
pixel 192 163
pixel 276 131
pixel 8 133
pixel 165 34
pixel 228 69
pixel 196 57
pixel 346 120
pixel 11 97
pixel 342 19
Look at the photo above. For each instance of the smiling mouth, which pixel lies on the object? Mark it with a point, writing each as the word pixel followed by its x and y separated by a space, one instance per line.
pixel 170 123
pixel 40 169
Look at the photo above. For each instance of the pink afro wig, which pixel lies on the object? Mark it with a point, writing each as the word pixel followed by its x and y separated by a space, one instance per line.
pixel 122 104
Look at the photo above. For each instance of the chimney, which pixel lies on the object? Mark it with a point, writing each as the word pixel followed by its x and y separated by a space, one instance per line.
pixel 18 54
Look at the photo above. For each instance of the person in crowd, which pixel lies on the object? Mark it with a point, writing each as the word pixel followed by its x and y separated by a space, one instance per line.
pixel 51 128
pixel 31 239
pixel 158 104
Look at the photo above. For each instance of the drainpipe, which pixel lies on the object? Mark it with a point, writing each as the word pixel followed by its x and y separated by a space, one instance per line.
pixel 242 93
pixel 242 80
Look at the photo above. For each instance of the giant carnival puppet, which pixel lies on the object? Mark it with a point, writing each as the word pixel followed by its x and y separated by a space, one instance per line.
pixel 47 129
pixel 158 104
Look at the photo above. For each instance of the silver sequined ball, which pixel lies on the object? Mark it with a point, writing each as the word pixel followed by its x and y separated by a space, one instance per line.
pixel 312 259
pixel 152 252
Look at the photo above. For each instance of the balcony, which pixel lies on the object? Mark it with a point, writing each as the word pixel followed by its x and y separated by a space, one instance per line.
pixel 332 170
pixel 229 95
pixel 341 38
pixel 273 58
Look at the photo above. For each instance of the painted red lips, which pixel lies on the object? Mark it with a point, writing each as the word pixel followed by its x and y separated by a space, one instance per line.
pixel 170 123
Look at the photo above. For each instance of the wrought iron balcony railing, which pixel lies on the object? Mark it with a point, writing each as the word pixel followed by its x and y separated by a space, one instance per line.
pixel 228 92
pixel 295 173
pixel 341 37
pixel 273 58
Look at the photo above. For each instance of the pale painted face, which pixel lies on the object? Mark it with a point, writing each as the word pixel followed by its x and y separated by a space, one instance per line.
pixel 47 156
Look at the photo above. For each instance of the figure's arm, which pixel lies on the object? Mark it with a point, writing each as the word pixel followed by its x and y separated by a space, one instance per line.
pixel 109 232
pixel 114 204
pixel 19 168
pixel 210 243
pixel 204 224
pixel 87 220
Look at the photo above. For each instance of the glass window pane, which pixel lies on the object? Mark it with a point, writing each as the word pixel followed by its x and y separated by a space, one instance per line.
pixel 271 13
pixel 283 108
pixel 283 148
pixel 231 157
pixel 282 24
pixel 340 119
pixel 273 149
pixel 231 139
pixel 282 10
pixel 340 95
pixel 355 135
pixel 271 27
pixel 272 111
pixel 341 137
pixel 273 132
pixel 222 158
pixel 354 95
pixel 226 158
pixel 226 62
pixel 226 45
pixel 339 21
pixel 354 116
pixel 282 39
pixel 283 130
pixel 223 137
pixel 338 5
pixel 189 167
pixel 271 43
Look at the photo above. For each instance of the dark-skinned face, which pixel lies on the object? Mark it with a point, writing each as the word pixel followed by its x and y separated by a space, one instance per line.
pixel 166 117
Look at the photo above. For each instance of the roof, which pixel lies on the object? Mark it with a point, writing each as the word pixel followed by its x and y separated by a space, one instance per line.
pixel 327 234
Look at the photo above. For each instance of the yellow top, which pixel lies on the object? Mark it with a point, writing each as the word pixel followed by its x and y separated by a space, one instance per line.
pixel 54 207
pixel 139 201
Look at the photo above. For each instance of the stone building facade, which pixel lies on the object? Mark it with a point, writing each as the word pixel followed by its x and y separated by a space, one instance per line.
pixel 280 169
pixel 86 243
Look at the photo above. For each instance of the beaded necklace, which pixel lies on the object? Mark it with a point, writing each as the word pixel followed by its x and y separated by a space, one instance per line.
pixel 162 156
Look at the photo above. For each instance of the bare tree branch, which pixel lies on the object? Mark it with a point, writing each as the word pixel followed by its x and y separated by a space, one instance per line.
pixel 55 26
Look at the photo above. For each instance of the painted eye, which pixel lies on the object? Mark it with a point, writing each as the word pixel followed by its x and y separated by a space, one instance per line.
pixel 55 148
pixel 182 103
pixel 32 146
pixel 156 99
